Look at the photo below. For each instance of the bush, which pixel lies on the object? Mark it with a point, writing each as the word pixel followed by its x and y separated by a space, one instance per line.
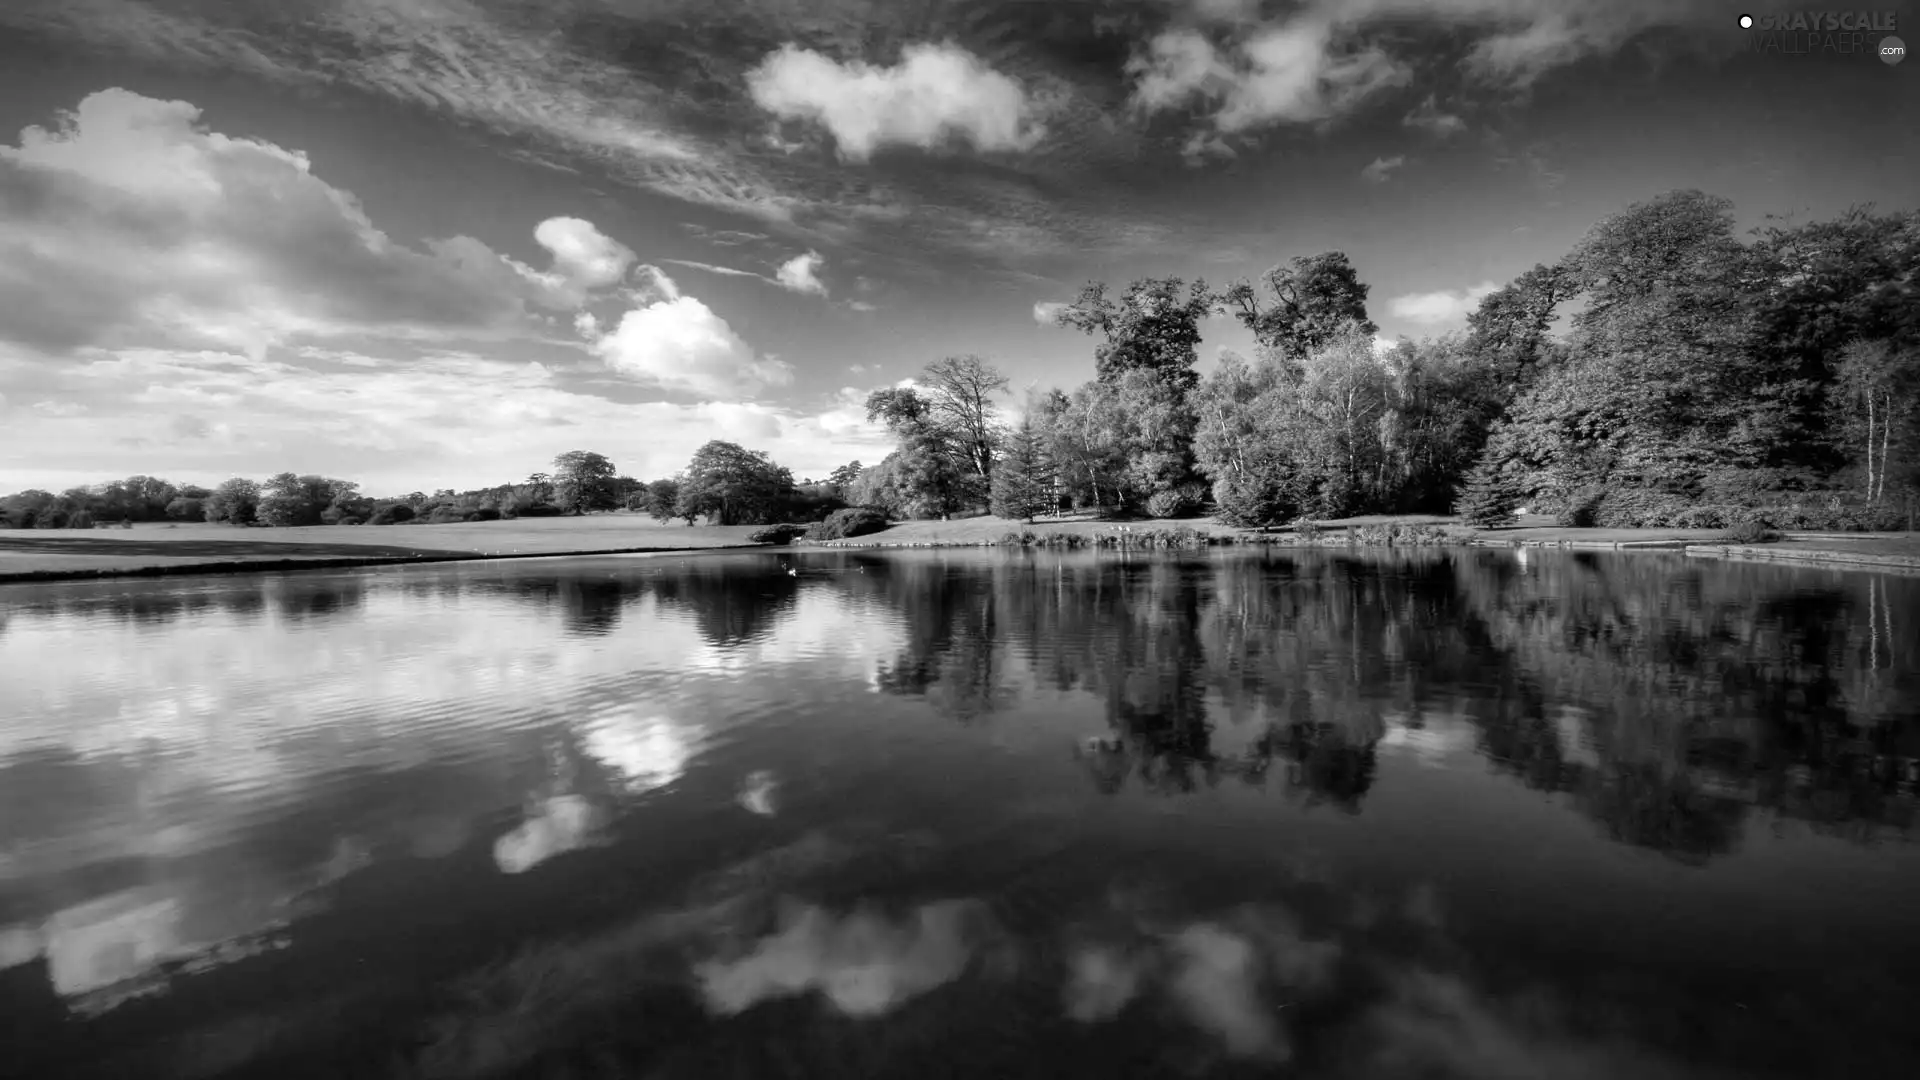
pixel 853 521
pixel 391 514
pixel 1639 508
pixel 80 519
pixel 541 510
pixel 1749 532
pixel 485 513
pixel 1174 503
pixel 776 534
pixel 1248 503
pixel 348 520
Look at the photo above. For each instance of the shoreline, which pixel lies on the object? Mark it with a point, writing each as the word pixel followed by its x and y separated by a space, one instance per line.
pixel 1810 549
pixel 323 562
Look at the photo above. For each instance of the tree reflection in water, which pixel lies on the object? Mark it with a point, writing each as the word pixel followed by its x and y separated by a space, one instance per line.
pixel 1666 698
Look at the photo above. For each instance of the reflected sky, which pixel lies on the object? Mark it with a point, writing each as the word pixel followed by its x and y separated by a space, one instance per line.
pixel 1397 791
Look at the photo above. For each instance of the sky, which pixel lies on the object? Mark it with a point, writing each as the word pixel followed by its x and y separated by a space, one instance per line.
pixel 435 243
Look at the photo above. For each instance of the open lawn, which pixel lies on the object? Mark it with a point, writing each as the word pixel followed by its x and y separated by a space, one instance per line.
pixel 27 554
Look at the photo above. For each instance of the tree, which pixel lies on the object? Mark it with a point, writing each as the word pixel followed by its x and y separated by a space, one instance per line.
pixel 1509 328
pixel 934 471
pixel 960 391
pixel 299 500
pixel 1313 299
pixel 1877 401
pixel 662 501
pixel 1023 478
pixel 843 477
pixel 732 485
pixel 234 502
pixel 1488 497
pixel 583 481
pixel 1151 327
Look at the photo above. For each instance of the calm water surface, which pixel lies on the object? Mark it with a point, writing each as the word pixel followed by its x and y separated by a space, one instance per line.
pixel 996 814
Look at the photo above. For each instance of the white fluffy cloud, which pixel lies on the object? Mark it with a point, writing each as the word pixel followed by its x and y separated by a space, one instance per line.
pixel 677 343
pixel 801 274
pixel 935 93
pixel 1377 170
pixel 129 223
pixel 584 260
pixel 1440 306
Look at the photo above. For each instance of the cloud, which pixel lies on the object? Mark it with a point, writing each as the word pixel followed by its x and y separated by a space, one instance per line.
pixel 1291 72
pixel 1376 171
pixel 935 93
pixel 1430 118
pixel 677 343
pixel 1441 306
pixel 1324 59
pixel 1047 312
pixel 864 963
pixel 710 268
pixel 799 274
pixel 395 421
pixel 862 305
pixel 130 223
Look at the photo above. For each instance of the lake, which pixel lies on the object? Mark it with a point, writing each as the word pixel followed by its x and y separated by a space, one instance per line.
pixel 1320 813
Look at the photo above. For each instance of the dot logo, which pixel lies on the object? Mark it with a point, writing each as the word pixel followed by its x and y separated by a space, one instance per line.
pixel 1746 22
pixel 1892 49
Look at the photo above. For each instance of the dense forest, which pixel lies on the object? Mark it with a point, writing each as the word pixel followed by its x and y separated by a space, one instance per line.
pixel 1665 372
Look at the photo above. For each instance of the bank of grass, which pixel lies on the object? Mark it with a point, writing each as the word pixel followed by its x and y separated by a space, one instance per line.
pixel 154 549
pixel 159 549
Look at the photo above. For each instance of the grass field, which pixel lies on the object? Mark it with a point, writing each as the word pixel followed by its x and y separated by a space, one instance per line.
pixel 171 549
pixel 159 548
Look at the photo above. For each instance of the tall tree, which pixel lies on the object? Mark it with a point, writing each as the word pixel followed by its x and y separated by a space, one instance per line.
pixel 961 393
pixel 233 502
pixel 732 485
pixel 1151 327
pixel 1509 330
pixel 662 501
pixel 844 476
pixel 1310 301
pixel 933 471
pixel 583 481
pixel 1023 478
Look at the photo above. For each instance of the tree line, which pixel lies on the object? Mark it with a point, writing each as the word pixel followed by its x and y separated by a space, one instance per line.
pixel 1701 379
pixel 1665 371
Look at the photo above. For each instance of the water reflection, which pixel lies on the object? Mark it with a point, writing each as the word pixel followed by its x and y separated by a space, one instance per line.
pixel 247 790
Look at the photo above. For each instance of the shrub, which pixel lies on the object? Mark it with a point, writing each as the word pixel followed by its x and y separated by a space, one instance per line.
pixel 776 534
pixel 348 520
pixel 853 521
pixel 1749 532
pixel 1638 508
pixel 80 519
pixel 485 513
pixel 391 514
pixel 1177 502
pixel 540 510
pixel 1248 503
